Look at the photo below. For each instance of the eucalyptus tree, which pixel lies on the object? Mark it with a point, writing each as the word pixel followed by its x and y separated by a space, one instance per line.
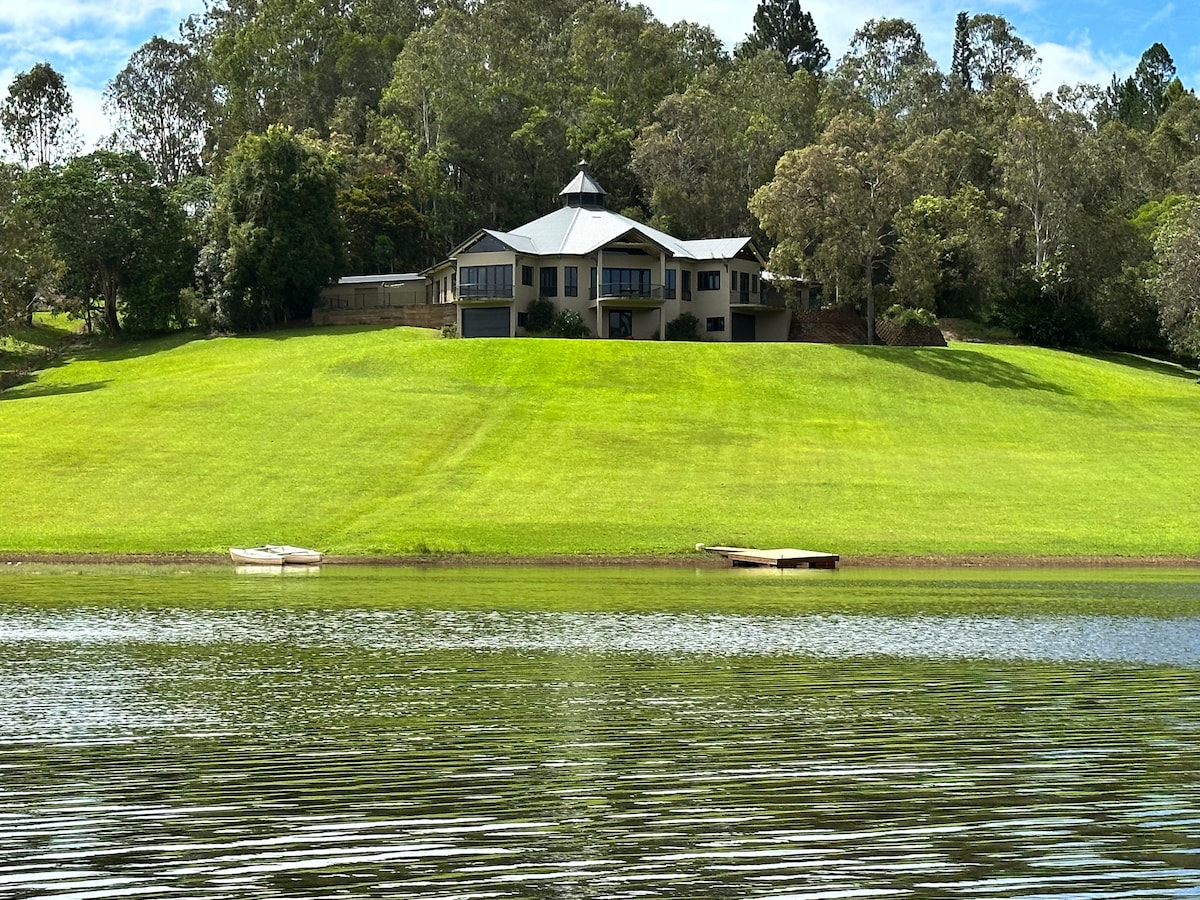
pixel 887 65
pixel 159 101
pixel 831 207
pixel 1177 285
pixel 36 116
pixel 708 149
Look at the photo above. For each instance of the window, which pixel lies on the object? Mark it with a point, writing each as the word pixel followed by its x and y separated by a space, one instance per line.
pixel 620 323
pixel 570 281
pixel 522 318
pixel 687 285
pixel 709 281
pixel 754 284
pixel 549 281
pixel 485 281
pixel 527 275
pixel 626 283
pixel 716 323
pixel 669 285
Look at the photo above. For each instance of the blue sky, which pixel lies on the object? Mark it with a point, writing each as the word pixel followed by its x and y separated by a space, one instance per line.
pixel 89 41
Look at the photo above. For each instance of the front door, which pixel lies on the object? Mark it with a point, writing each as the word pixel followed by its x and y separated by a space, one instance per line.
pixel 620 323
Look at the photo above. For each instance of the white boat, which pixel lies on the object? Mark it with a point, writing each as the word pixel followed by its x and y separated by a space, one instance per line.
pixel 295 555
pixel 256 556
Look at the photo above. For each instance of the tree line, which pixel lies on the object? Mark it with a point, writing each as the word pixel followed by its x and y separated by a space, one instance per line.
pixel 278 143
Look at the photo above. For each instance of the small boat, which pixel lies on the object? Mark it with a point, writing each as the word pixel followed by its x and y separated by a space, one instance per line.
pixel 256 556
pixel 295 555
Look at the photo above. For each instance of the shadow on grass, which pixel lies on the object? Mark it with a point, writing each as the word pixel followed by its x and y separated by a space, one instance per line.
pixel 963 367
pixel 1147 364
pixel 31 389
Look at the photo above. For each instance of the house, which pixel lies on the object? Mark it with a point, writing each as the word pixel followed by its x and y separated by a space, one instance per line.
pixel 625 279
pixel 397 299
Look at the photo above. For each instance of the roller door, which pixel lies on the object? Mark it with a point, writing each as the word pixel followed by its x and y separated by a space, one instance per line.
pixel 485 321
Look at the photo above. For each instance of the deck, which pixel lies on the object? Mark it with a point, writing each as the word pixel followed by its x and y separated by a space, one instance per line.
pixel 784 558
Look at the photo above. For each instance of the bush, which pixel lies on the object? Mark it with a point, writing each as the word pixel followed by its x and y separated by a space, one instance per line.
pixel 539 315
pixel 450 331
pixel 685 327
pixel 903 316
pixel 568 324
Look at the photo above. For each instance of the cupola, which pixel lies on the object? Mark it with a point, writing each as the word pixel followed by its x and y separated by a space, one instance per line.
pixel 583 190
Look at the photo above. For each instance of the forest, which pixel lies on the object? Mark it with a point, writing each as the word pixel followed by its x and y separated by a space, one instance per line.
pixel 275 144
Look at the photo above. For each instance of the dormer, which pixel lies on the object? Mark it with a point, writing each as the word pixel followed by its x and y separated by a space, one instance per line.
pixel 583 190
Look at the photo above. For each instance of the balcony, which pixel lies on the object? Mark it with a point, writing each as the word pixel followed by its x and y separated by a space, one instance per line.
pixel 628 290
pixel 763 297
pixel 485 292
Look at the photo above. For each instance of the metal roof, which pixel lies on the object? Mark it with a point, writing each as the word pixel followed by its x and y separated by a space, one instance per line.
pixel 578 231
pixel 379 279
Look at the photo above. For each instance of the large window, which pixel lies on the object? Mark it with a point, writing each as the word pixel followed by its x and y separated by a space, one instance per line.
pixel 485 281
pixel 708 281
pixel 549 276
pixel 527 276
pixel 669 285
pixel 570 281
pixel 625 283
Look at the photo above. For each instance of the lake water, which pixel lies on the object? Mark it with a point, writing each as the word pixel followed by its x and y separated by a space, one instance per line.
pixel 592 733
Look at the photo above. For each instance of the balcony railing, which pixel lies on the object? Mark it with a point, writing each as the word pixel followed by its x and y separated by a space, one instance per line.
pixel 762 297
pixel 484 291
pixel 627 290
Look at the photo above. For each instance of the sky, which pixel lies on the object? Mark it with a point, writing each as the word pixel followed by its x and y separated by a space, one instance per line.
pixel 89 41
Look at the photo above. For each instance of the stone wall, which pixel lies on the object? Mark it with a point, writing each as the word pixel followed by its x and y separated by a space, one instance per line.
pixel 842 326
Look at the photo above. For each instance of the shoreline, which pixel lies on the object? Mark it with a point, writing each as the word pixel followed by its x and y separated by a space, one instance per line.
pixel 698 561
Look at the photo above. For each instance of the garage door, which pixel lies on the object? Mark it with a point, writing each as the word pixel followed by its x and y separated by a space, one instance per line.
pixel 743 327
pixel 485 321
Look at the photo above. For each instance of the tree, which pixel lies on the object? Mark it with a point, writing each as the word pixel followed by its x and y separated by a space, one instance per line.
pixel 276 235
pixel 385 232
pixel 1140 100
pixel 781 25
pixel 120 238
pixel 1177 253
pixel 887 64
pixel 159 102
pixel 36 116
pixel 830 207
pixel 27 267
pixel 996 51
pixel 960 55
pixel 707 150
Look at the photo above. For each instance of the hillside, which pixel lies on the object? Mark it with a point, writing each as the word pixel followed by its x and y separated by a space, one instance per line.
pixel 394 442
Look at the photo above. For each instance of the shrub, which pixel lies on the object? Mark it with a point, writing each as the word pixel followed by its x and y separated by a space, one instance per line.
pixel 449 331
pixel 902 316
pixel 539 315
pixel 685 327
pixel 568 324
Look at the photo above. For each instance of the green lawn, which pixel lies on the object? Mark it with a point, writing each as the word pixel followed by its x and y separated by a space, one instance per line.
pixel 392 441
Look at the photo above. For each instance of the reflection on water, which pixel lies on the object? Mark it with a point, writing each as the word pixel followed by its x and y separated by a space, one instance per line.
pixel 164 750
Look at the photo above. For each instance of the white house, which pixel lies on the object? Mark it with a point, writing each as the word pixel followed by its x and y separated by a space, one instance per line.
pixel 625 279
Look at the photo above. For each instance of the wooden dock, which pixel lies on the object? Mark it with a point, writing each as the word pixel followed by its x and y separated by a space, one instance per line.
pixel 785 558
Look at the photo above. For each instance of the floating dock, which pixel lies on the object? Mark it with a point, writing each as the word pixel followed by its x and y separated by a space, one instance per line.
pixel 785 558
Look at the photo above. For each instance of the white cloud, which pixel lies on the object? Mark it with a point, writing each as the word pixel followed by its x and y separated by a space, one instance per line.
pixel 1071 65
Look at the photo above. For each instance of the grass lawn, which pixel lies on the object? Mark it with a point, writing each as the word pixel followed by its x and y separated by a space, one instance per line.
pixel 26 347
pixel 392 441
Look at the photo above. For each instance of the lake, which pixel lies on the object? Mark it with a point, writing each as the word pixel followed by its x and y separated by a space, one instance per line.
pixel 598 733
